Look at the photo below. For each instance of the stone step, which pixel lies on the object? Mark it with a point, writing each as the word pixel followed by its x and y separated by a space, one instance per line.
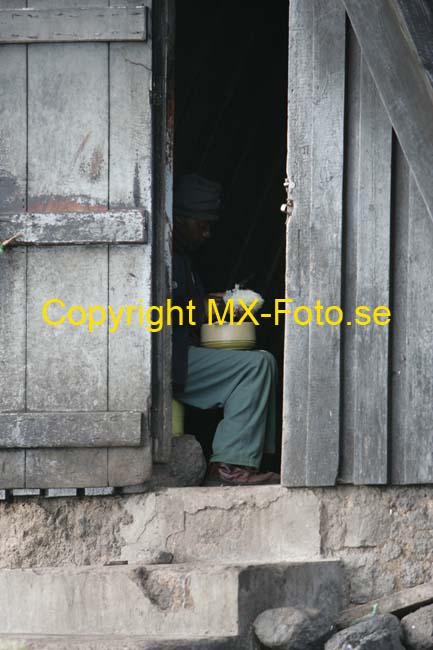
pixel 64 642
pixel 169 601
pixel 221 524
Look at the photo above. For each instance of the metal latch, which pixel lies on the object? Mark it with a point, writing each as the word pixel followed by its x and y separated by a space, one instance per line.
pixel 287 207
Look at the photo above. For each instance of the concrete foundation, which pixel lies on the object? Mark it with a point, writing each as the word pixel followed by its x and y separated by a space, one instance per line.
pixel 384 536
pixel 183 600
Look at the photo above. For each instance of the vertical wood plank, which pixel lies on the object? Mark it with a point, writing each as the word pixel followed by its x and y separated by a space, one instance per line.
pixel 351 171
pixel 294 444
pixel 12 330
pixel 129 377
pixel 401 320
pixel 130 267
pixel 66 364
pixel 415 432
pixel 68 90
pixel 372 286
pixel 130 125
pixel 13 182
pixel 130 186
pixel 13 128
pixel 325 243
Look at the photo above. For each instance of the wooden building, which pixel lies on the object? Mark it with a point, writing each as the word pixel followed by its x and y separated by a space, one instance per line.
pixel 86 167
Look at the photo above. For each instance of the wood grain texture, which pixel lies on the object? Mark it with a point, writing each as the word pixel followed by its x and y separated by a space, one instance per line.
pixel 400 400
pixel 130 347
pixel 130 466
pixel 295 430
pixel 413 449
pixel 372 285
pixel 72 468
pixel 66 364
pixel 325 231
pixel 73 24
pixel 130 126
pixel 12 468
pixel 13 128
pixel 418 15
pixel 68 98
pixel 70 429
pixel 76 227
pixel 406 90
pixel 12 330
pixel 351 171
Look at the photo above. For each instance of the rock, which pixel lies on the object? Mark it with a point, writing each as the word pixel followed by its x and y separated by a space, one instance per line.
pixel 381 632
pixel 418 629
pixel 186 468
pixel 288 628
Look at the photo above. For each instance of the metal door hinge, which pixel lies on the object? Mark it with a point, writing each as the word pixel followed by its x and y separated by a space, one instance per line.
pixel 287 207
pixel 156 94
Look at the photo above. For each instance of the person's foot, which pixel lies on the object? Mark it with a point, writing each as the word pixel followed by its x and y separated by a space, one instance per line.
pixel 225 474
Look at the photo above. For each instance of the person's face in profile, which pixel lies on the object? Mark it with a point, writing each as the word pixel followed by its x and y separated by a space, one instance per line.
pixel 192 232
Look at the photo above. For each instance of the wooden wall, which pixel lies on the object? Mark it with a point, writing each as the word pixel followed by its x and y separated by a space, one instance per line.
pixel 357 402
pixel 75 142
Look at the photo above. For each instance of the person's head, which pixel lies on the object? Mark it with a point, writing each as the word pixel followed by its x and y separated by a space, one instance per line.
pixel 196 206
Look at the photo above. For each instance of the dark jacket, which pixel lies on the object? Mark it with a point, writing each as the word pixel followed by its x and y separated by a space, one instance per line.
pixel 186 287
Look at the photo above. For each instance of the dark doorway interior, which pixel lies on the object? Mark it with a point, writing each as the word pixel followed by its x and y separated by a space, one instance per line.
pixel 230 126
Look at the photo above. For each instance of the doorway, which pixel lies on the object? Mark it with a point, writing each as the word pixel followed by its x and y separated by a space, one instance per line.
pixel 231 126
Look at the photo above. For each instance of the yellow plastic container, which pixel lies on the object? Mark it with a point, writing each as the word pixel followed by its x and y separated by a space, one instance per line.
pixel 177 414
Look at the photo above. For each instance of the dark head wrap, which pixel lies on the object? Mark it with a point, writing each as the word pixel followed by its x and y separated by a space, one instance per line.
pixel 197 197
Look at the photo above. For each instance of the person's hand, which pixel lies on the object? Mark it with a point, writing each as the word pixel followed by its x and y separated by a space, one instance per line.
pixel 220 303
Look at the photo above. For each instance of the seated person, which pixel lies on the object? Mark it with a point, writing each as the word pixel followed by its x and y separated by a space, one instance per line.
pixel 242 382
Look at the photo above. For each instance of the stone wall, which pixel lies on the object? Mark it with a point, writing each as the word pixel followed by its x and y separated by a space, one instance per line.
pixel 384 536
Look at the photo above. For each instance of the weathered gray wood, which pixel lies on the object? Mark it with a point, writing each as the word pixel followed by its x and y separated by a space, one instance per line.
pixel 13 127
pixel 12 197
pixel 130 268
pixel 400 400
pixel 68 98
pixel 66 364
pixel 163 137
pixel 419 19
pixel 406 90
pixel 125 226
pixel 26 492
pixel 98 492
pixel 414 437
pixel 398 603
pixel 55 468
pixel 60 492
pixel 129 352
pixel 12 330
pixel 315 165
pixel 70 429
pixel 372 286
pixel 130 126
pixel 130 466
pixel 295 431
pixel 73 24
pixel 325 228
pixel 351 171
pixel 12 468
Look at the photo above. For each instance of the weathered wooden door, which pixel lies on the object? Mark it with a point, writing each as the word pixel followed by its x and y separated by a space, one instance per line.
pixel 357 400
pixel 75 181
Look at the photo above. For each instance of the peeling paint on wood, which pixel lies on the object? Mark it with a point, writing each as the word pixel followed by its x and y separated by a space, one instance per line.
pixel 129 226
